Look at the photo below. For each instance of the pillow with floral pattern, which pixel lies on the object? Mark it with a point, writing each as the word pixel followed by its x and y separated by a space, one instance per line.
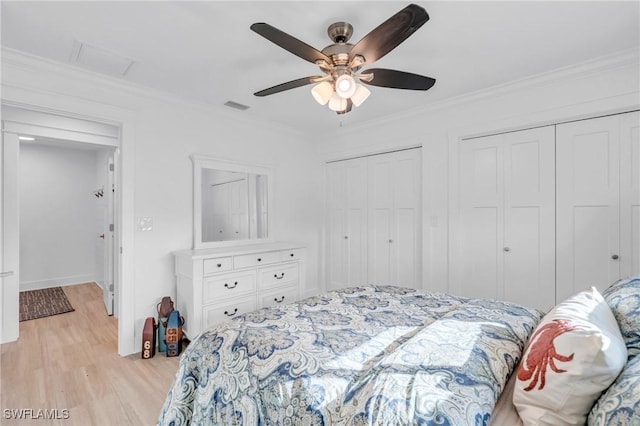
pixel 620 404
pixel 623 297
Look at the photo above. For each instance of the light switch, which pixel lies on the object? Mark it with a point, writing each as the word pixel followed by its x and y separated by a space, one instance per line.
pixel 145 224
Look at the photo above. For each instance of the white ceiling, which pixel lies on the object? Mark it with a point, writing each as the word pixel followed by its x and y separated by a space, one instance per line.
pixel 205 50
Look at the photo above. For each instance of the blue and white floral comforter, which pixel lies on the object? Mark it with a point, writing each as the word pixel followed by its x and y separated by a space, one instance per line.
pixel 374 355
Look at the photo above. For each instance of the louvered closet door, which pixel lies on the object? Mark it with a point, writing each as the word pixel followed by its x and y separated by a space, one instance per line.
pixel 506 228
pixel 394 229
pixel 598 207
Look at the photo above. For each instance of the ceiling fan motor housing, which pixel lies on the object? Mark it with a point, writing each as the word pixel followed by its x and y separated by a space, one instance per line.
pixel 340 32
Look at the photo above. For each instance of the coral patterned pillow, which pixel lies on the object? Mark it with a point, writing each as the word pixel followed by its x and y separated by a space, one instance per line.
pixel 574 354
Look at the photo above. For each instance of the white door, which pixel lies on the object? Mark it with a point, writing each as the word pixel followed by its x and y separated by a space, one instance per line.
pixel 356 222
pixel 588 206
pixel 394 225
pixel 529 218
pixel 336 222
pixel 347 222
pixel 630 194
pixel 109 237
pixel 479 263
pixel 507 217
pixel 9 239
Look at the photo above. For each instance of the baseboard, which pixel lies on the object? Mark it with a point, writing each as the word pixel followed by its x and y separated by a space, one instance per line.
pixel 58 282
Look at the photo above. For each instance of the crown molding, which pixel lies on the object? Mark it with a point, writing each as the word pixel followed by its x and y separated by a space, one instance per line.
pixel 616 60
pixel 25 61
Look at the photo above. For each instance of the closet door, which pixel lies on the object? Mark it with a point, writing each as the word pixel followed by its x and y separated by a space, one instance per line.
pixel 347 223
pixel 588 216
pixel 394 230
pixel 630 194
pixel 529 218
pixel 506 222
pixel 480 258
pixel 598 202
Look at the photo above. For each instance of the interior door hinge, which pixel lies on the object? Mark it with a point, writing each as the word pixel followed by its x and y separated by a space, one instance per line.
pixel 111 227
pixel 111 167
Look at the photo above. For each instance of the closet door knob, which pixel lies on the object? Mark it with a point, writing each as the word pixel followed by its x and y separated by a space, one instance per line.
pixel 614 257
pixel 390 241
pixel 506 249
pixel 346 237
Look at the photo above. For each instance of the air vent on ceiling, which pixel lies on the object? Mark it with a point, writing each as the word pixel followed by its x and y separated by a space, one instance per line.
pixel 236 105
pixel 100 60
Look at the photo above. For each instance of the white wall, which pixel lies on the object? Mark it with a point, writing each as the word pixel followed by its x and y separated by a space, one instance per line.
pixel 58 212
pixel 159 135
pixel 602 86
pixel 163 131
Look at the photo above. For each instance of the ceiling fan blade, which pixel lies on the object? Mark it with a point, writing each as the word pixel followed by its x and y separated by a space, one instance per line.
pixel 386 36
pixel 289 43
pixel 288 85
pixel 398 79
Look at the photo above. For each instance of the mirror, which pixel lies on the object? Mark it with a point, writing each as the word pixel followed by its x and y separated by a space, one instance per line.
pixel 231 202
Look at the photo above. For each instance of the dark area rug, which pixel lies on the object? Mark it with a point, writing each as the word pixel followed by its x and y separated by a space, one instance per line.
pixel 43 303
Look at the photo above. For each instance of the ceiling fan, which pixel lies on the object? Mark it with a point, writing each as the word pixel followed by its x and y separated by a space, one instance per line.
pixel 341 61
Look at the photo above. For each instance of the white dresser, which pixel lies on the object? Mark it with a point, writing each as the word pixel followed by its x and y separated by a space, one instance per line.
pixel 215 285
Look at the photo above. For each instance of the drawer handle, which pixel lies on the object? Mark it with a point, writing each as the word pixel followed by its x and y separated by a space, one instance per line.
pixel 235 311
pixel 219 265
pixel 235 284
pixel 292 255
pixel 259 259
pixel 275 299
pixel 278 277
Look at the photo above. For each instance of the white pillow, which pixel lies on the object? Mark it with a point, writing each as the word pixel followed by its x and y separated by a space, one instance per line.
pixel 573 355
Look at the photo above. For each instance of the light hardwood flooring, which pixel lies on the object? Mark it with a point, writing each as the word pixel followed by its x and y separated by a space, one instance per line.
pixel 70 362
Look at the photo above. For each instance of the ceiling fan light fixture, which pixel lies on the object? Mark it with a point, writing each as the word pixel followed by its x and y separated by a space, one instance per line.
pixel 345 86
pixel 360 95
pixel 337 103
pixel 322 92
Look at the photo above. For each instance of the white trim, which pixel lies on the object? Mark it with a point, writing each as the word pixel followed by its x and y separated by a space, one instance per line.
pixel 59 282
pixel 61 104
pixel 10 285
pixel 22 60
pixel 625 58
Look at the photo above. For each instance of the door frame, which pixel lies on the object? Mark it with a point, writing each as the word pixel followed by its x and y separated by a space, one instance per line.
pixel 9 238
pixel 123 179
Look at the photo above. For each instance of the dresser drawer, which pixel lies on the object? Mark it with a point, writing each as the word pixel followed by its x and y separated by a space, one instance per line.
pixel 221 312
pixel 293 254
pixel 281 296
pixel 257 259
pixel 286 273
pixel 228 285
pixel 219 264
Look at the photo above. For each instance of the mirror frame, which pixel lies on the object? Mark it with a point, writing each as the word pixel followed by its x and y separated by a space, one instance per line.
pixel 204 162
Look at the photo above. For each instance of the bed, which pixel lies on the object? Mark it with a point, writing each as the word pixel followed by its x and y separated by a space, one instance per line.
pixel 377 355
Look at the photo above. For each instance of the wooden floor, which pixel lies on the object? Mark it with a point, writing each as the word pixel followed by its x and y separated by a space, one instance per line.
pixel 70 362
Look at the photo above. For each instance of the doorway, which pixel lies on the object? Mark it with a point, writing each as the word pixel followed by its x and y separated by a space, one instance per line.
pixel 55 133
